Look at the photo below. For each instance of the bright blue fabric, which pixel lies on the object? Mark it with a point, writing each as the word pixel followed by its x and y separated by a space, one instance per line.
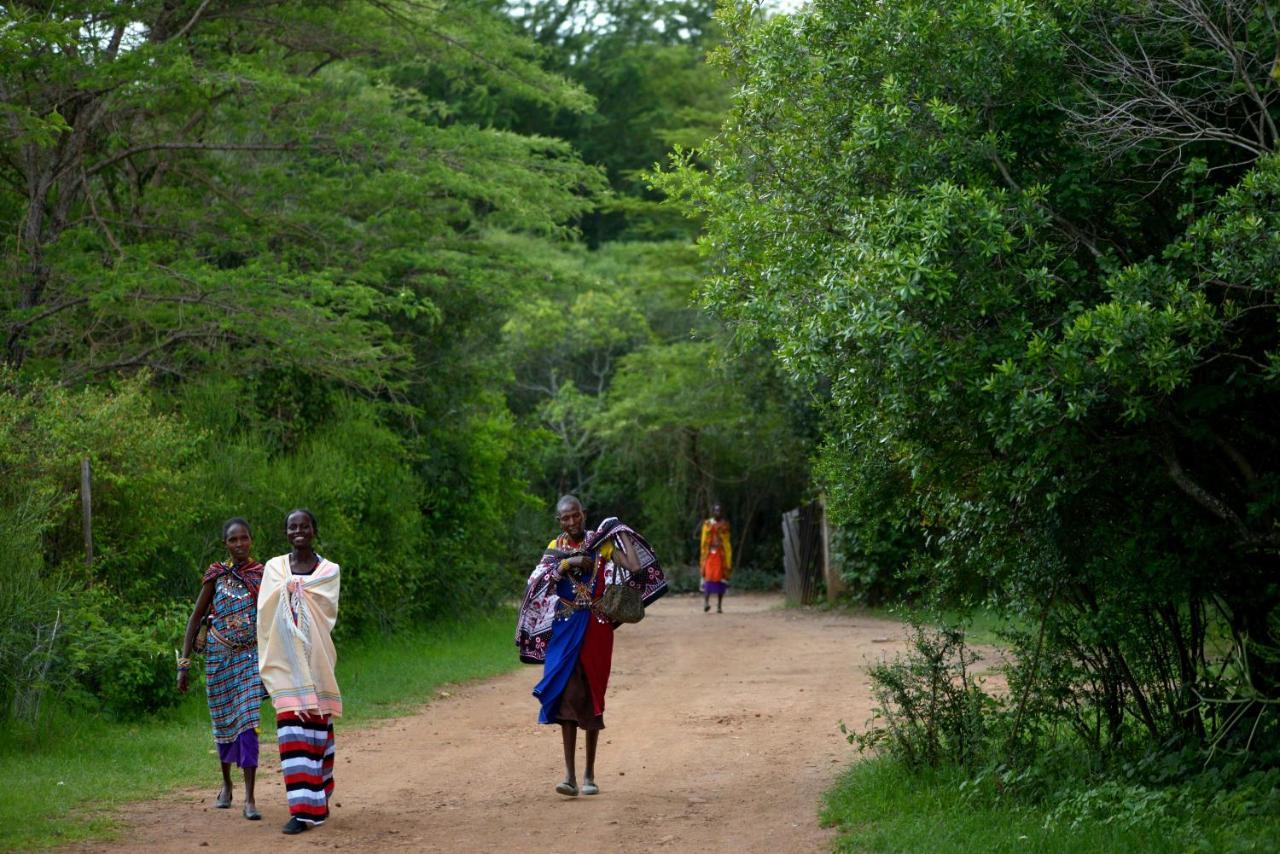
pixel 567 637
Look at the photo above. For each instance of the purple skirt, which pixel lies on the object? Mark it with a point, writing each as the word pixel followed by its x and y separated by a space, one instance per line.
pixel 716 587
pixel 242 751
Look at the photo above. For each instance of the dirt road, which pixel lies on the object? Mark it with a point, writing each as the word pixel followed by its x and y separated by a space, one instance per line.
pixel 722 734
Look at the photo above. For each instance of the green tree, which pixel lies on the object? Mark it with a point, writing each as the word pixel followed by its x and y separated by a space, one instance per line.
pixel 221 184
pixel 1062 350
pixel 644 65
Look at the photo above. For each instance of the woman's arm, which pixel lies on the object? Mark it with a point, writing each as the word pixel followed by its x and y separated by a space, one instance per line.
pixel 203 601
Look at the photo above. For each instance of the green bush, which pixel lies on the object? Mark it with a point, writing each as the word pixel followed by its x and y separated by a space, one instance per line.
pixel 121 657
pixel 754 579
pixel 142 481
pixel 53 635
pixel 930 710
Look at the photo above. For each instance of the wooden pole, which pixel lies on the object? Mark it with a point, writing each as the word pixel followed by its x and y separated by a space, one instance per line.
pixel 835 584
pixel 86 506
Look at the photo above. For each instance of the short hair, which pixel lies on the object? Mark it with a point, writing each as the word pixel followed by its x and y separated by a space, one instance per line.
pixel 315 526
pixel 566 500
pixel 231 523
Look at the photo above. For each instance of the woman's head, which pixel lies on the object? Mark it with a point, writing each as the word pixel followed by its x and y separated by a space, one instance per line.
pixel 300 527
pixel 237 537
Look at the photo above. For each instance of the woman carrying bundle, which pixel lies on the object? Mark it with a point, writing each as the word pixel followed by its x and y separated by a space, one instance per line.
pixel 562 625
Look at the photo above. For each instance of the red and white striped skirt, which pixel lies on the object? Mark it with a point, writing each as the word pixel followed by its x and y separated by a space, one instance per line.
pixel 306 757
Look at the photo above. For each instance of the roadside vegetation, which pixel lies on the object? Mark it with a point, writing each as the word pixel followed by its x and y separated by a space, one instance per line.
pixel 1024 257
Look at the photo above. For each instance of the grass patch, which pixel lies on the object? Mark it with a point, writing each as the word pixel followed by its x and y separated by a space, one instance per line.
pixel 62 780
pixel 880 806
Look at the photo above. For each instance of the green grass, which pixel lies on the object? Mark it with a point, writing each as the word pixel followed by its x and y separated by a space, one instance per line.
pixel 879 806
pixel 62 782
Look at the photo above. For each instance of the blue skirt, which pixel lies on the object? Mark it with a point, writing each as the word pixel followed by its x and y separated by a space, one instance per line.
pixel 562 655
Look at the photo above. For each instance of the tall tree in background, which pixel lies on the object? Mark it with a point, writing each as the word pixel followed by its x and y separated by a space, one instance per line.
pixel 643 406
pixel 263 212
pixel 240 183
pixel 644 63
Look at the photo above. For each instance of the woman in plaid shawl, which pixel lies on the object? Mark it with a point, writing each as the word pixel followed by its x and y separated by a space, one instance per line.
pixel 228 601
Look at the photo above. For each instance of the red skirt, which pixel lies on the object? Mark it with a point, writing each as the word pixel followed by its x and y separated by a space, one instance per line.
pixel 595 660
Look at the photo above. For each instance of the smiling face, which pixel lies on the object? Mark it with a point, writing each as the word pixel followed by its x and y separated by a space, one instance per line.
pixel 572 519
pixel 299 531
pixel 238 542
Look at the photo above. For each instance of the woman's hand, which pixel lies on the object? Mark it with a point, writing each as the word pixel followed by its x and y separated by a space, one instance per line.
pixel 183 682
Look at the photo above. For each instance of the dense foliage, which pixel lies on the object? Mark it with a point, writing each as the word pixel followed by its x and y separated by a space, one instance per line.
pixel 262 255
pixel 1027 252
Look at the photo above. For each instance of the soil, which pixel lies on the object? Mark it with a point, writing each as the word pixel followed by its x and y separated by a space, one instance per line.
pixel 722 733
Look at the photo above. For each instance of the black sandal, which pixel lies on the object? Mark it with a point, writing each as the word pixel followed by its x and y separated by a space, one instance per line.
pixel 252 814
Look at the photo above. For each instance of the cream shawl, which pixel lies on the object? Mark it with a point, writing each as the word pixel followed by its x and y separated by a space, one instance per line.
pixel 296 615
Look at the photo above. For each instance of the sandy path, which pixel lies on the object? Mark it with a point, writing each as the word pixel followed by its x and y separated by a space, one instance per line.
pixel 704 751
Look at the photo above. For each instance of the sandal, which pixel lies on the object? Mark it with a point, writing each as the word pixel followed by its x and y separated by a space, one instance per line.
pixel 567 788
pixel 252 813
pixel 223 801
pixel 589 787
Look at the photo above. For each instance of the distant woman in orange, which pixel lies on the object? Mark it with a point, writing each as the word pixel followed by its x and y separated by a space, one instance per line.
pixel 716 558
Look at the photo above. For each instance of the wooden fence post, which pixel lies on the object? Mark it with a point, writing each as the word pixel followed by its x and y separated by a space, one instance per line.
pixel 86 506
pixel 830 572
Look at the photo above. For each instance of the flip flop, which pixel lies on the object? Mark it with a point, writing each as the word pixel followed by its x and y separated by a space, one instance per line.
pixel 590 788
pixel 221 802
pixel 252 814
pixel 567 789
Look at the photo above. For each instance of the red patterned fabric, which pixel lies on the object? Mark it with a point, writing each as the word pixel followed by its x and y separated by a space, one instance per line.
pixel 596 657
pixel 249 572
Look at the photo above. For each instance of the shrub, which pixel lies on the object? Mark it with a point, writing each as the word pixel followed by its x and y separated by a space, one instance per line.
pixel 123 656
pixel 930 710
pixel 752 578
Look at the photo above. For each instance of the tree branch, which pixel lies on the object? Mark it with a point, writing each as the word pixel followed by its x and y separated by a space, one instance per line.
pixel 188 146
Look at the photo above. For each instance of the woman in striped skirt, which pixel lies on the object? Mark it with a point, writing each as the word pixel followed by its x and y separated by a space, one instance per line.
pixel 228 600
pixel 297 610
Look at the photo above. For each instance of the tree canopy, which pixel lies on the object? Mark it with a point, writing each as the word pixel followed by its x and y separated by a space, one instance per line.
pixel 383 258
pixel 1026 252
